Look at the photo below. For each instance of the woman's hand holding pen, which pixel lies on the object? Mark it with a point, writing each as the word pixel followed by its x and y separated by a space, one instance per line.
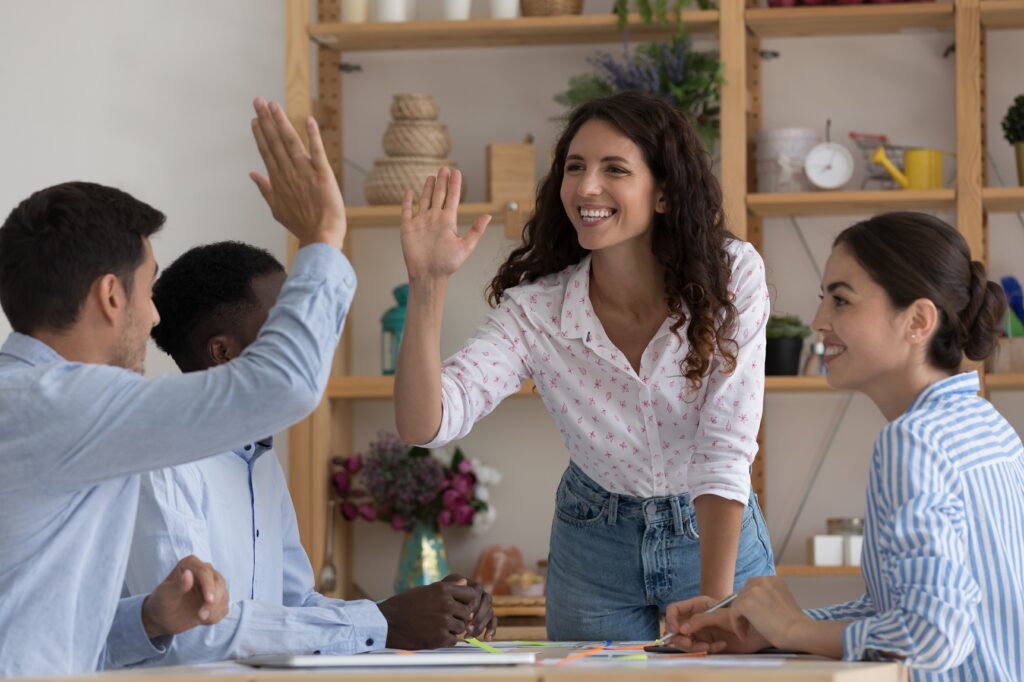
pixel 431 243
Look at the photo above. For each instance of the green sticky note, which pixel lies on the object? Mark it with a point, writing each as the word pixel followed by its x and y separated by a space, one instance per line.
pixel 486 647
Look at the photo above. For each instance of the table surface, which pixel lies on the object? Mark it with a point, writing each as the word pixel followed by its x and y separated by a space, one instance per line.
pixel 714 668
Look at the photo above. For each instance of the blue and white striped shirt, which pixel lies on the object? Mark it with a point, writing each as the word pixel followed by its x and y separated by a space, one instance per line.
pixel 943 557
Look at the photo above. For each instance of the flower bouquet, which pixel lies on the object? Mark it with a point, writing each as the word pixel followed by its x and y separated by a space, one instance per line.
pixel 404 485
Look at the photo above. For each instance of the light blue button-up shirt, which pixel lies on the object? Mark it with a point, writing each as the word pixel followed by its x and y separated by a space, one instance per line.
pixel 943 556
pixel 75 436
pixel 234 511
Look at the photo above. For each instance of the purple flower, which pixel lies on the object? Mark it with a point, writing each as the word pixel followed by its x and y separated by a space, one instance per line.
pixel 452 499
pixel 353 464
pixel 398 523
pixel 368 512
pixel 444 519
pixel 349 511
pixel 464 515
pixel 465 467
pixel 463 483
pixel 341 482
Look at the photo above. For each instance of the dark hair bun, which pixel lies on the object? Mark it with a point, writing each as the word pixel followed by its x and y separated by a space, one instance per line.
pixel 982 319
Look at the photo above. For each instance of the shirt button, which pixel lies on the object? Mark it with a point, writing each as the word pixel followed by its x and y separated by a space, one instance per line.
pixel 369 642
pixel 257 532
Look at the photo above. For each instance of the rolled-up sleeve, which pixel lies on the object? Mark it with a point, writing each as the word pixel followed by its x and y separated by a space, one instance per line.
pixel 731 412
pixel 489 368
pixel 934 595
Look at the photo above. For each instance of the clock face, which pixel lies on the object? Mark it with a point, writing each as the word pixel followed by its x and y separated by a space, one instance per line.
pixel 829 165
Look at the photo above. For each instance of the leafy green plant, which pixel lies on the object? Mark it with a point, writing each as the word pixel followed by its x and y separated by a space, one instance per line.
pixel 786 327
pixel 1013 122
pixel 649 11
pixel 689 79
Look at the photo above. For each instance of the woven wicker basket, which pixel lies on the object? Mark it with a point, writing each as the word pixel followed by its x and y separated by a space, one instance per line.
pixel 411 106
pixel 546 8
pixel 417 138
pixel 389 178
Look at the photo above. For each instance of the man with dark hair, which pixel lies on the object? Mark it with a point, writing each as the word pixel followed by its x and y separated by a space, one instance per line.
pixel 79 423
pixel 235 510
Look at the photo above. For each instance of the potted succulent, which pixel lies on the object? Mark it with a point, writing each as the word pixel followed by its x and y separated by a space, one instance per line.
pixel 786 334
pixel 1013 130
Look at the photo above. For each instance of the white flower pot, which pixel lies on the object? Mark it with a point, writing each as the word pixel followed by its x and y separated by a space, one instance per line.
pixel 355 11
pixel 392 10
pixel 504 9
pixel 456 10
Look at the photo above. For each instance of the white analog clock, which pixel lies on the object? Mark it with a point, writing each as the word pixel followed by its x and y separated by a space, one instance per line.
pixel 829 165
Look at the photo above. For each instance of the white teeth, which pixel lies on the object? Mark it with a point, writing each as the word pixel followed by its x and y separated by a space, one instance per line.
pixel 833 350
pixel 596 212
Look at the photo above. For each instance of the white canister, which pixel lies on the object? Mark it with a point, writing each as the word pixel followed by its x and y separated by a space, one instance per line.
pixel 392 10
pixel 456 10
pixel 504 9
pixel 780 158
pixel 355 11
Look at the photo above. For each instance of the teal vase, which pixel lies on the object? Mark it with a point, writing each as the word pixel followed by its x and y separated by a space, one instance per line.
pixel 423 559
pixel 391 326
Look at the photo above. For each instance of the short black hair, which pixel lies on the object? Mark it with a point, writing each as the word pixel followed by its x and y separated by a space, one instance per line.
pixel 55 244
pixel 205 292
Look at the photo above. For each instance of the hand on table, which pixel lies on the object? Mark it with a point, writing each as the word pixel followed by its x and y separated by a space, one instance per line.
pixel 437 615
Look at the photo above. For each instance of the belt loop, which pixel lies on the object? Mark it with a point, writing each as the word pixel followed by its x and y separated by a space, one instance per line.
pixel 613 508
pixel 677 515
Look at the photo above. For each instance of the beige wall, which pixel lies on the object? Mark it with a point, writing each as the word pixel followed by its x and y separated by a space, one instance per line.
pixel 154 97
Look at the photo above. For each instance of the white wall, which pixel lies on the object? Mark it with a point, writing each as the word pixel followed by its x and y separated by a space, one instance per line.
pixel 154 97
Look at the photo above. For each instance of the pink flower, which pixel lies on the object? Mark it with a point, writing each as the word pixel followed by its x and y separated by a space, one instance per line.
pixel 463 483
pixel 353 464
pixel 444 519
pixel 465 466
pixel 368 512
pixel 397 522
pixel 464 515
pixel 349 511
pixel 341 482
pixel 452 499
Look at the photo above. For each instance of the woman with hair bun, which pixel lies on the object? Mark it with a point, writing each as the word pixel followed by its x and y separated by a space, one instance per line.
pixel 642 321
pixel 943 555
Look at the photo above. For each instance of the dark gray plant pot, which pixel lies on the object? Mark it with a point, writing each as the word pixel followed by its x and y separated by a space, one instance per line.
pixel 782 356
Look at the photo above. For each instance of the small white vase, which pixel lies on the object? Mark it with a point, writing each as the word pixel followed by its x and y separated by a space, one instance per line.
pixel 456 10
pixel 504 9
pixel 392 10
pixel 355 11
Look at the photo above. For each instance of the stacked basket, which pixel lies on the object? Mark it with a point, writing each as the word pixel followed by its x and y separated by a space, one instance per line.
pixel 417 145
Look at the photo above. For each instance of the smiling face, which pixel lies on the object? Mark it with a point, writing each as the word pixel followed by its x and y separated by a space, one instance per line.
pixel 866 337
pixel 607 190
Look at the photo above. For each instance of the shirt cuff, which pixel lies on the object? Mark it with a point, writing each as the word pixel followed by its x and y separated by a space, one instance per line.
pixel 127 642
pixel 855 639
pixel 369 629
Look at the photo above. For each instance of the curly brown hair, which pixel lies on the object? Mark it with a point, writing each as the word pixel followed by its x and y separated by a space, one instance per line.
pixel 689 239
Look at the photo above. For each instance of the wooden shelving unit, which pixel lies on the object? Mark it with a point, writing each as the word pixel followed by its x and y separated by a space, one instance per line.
pixel 1004 381
pixel 849 203
pixel 739 30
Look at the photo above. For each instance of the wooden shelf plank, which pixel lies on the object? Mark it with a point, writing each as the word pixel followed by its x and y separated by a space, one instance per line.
pixel 798 570
pixel 383 387
pixel 848 203
pixel 1002 14
pixel 1003 199
pixel 380 388
pixel 1004 381
pixel 773 22
pixel 559 30
pixel 391 216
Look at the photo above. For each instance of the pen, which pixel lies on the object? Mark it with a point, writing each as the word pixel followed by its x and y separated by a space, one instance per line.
pixel 714 607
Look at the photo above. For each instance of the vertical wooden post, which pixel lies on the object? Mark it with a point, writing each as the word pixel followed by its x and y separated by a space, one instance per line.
pixel 733 50
pixel 970 154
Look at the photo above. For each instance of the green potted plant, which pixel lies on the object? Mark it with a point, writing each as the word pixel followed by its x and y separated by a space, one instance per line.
pixel 1013 130
pixel 786 334
pixel 649 11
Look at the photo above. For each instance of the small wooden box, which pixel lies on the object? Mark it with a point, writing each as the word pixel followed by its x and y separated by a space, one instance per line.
pixel 1009 356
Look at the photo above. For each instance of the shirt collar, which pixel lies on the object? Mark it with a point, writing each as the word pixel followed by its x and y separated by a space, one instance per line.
pixel 251 451
pixel 965 383
pixel 29 349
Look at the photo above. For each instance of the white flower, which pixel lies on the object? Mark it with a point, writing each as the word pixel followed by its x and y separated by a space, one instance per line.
pixel 443 455
pixel 482 493
pixel 485 474
pixel 484 520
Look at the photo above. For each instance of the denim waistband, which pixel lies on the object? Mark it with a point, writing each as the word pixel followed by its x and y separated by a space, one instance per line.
pixel 678 508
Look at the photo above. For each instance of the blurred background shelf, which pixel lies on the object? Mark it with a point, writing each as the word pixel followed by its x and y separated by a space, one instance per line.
pixel 781 22
pixel 766 205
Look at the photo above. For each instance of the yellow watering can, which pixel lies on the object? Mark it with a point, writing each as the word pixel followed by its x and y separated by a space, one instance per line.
pixel 922 168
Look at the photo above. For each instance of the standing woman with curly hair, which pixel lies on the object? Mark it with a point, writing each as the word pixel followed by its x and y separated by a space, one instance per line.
pixel 642 321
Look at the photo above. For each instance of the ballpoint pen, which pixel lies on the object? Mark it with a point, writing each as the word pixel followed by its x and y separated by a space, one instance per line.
pixel 714 607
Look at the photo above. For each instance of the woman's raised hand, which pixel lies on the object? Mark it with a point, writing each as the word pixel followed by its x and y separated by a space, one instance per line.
pixel 431 243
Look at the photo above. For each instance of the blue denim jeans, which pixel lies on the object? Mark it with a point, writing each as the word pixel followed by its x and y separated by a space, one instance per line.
pixel 616 562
